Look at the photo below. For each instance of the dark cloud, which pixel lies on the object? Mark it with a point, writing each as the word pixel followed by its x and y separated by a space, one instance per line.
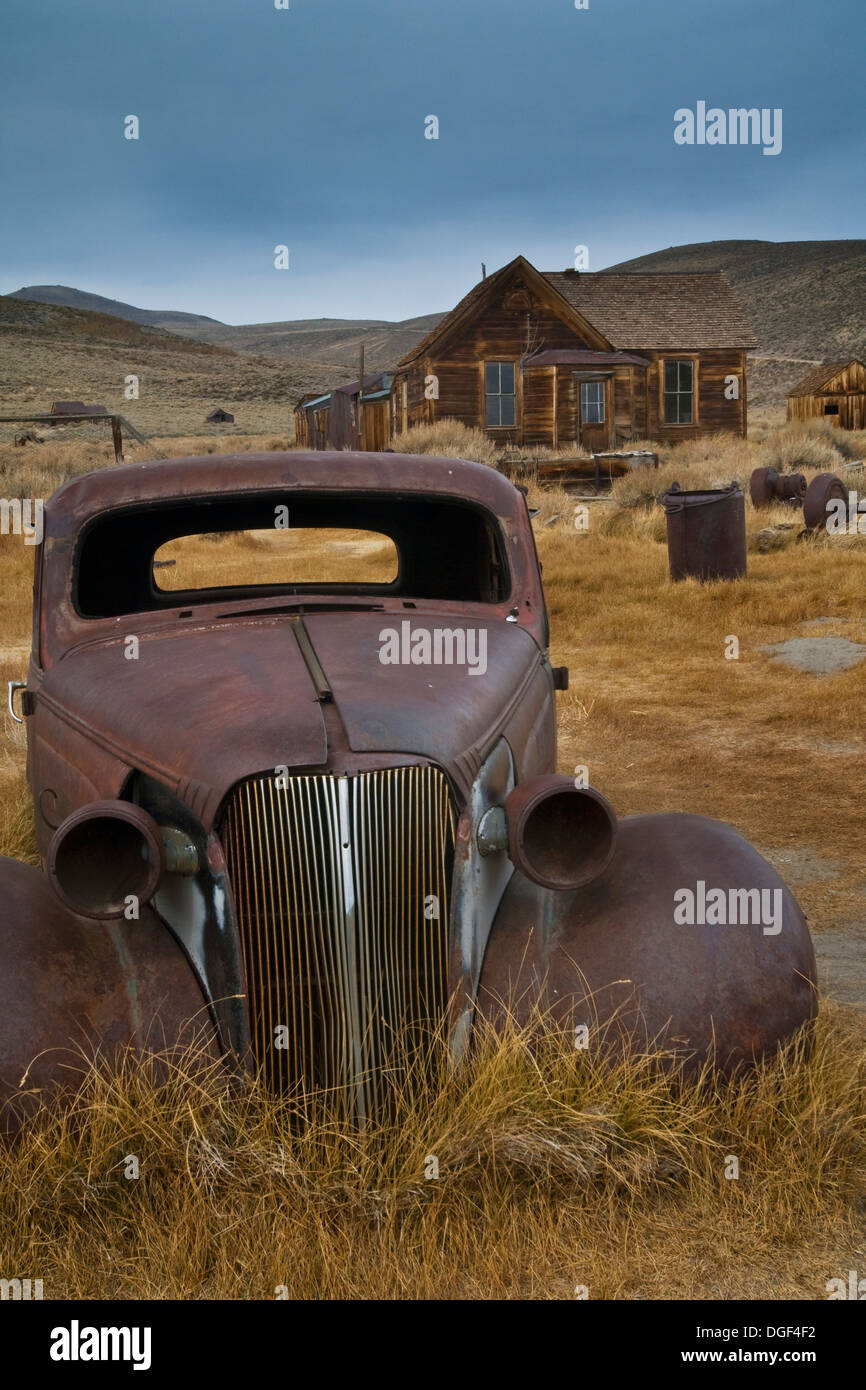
pixel 305 126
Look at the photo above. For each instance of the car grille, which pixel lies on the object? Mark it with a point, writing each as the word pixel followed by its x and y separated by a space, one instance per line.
pixel 341 886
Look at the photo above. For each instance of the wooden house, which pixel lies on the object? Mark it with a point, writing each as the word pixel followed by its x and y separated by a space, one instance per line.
pixel 835 392
pixel 219 417
pixel 347 417
pixel 573 360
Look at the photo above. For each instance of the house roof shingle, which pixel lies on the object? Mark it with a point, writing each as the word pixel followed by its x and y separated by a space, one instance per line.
pixel 819 376
pixel 658 311
pixel 661 310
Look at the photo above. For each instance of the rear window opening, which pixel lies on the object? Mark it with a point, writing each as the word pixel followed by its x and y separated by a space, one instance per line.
pixel 182 553
pixel 313 555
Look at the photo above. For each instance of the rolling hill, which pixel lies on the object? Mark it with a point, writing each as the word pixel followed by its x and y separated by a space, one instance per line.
pixel 52 352
pixel 63 296
pixel 333 341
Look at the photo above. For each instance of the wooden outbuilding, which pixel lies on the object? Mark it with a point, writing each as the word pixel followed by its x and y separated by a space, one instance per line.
pixel 347 417
pixel 569 359
pixel 834 392
pixel 219 417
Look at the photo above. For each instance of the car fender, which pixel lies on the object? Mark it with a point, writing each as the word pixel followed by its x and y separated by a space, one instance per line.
pixel 72 988
pixel 612 956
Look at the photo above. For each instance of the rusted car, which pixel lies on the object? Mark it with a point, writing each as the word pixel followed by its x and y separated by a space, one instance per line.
pixel 319 815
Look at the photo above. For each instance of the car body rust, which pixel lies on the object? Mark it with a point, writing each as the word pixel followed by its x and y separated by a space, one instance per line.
pixel 325 876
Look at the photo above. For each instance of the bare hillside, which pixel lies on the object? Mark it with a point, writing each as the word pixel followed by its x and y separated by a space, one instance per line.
pixel 49 352
pixel 332 341
pixel 64 296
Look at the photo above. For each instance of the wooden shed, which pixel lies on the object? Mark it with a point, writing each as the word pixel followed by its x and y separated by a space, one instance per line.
pixel 219 417
pixel 567 359
pixel 347 417
pixel 835 392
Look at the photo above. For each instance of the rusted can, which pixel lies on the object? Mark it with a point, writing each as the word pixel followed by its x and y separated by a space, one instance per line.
pixel 706 532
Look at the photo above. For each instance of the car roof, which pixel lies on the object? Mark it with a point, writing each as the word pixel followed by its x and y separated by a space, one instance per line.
pixel 181 479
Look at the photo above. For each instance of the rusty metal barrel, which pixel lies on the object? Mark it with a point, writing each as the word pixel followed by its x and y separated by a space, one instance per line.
pixel 706 532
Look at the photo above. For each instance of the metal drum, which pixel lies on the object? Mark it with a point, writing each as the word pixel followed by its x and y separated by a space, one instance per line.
pixel 706 532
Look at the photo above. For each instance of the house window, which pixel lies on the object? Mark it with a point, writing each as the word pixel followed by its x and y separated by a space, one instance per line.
pixel 592 402
pixel 679 392
pixel 499 408
pixel 831 410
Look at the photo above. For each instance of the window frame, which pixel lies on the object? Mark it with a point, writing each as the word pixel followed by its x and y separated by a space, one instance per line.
pixel 600 404
pixel 499 362
pixel 681 357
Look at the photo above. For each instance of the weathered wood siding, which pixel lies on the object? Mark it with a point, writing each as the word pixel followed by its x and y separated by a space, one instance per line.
pixel 302 434
pixel 459 392
pixel 376 425
pixel 713 411
pixel 539 386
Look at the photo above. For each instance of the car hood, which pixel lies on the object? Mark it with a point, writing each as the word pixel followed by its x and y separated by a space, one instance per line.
pixel 202 707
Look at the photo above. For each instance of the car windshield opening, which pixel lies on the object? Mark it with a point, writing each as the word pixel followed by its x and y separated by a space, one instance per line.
pixel 170 554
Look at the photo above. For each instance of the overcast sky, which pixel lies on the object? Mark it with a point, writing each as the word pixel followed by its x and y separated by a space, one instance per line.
pixel 306 127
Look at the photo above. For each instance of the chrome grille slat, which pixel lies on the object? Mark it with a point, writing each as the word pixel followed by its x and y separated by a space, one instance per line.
pixel 331 877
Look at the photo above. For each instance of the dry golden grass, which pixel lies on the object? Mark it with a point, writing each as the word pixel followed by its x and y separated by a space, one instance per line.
pixel 665 722
pixel 448 439
pixel 298 556
pixel 553 1172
